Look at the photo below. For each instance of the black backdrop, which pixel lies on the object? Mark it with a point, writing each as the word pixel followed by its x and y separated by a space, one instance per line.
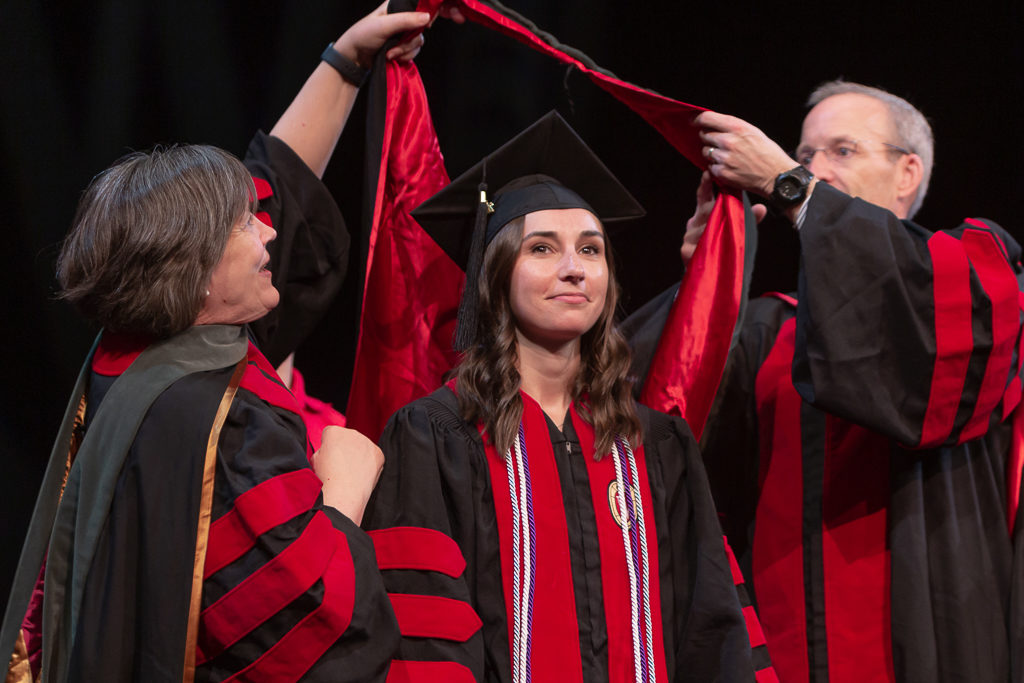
pixel 84 82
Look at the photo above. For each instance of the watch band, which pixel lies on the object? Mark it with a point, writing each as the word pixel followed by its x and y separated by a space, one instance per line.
pixel 349 70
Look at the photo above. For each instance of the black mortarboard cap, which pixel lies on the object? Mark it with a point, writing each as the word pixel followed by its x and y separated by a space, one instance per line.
pixel 547 166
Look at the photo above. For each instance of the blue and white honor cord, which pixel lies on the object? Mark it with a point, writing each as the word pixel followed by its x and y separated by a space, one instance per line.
pixel 524 558
pixel 634 542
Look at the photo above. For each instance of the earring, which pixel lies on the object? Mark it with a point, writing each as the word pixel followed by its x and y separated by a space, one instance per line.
pixel 207 292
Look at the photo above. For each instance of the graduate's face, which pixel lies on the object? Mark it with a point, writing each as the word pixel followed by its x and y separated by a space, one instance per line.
pixel 868 168
pixel 560 278
pixel 240 286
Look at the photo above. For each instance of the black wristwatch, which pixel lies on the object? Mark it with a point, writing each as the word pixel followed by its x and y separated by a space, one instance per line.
pixel 790 188
pixel 349 70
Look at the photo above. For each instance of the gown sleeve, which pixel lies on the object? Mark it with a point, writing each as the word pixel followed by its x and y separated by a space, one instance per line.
pixel 290 586
pixel 309 257
pixel 421 517
pixel 909 333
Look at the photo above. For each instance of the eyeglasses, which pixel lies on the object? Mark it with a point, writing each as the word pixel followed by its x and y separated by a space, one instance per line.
pixel 842 151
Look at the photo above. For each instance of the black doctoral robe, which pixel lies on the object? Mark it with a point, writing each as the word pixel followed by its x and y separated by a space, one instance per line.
pixel 437 478
pixel 861 451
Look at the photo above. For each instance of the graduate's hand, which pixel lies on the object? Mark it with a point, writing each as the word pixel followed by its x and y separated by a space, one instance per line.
pixel 741 155
pixel 699 220
pixel 349 466
pixel 365 37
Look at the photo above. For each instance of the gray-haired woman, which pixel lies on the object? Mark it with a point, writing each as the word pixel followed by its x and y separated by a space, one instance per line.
pixel 185 535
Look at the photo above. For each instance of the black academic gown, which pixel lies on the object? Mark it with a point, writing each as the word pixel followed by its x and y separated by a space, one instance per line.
pixel 436 476
pixel 297 595
pixel 858 452
pixel 289 587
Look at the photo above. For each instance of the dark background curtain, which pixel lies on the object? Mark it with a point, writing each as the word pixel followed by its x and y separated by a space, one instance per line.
pixel 85 82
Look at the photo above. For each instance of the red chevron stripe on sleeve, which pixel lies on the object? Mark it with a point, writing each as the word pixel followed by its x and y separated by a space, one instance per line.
pixel 293 655
pixel 404 671
pixel 429 616
pixel 268 590
pixel 256 512
pixel 417 548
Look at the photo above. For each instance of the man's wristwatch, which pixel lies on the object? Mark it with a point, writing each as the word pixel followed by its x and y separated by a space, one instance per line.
pixel 790 188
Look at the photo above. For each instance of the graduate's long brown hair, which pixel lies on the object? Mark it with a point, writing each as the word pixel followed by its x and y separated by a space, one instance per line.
pixel 488 378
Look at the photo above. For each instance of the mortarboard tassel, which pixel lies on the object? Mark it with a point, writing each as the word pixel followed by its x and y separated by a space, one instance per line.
pixel 465 331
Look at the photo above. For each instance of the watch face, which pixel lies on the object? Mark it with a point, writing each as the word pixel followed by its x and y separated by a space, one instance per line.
pixel 789 188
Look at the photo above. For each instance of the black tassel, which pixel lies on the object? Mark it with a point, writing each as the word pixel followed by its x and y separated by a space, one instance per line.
pixel 469 313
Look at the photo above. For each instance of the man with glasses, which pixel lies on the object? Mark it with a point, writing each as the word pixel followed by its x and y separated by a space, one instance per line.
pixel 862 450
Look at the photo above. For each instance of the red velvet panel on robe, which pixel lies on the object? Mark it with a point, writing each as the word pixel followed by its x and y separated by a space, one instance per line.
pixel 552 599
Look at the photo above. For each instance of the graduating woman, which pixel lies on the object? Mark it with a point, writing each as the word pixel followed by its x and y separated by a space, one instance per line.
pixel 532 521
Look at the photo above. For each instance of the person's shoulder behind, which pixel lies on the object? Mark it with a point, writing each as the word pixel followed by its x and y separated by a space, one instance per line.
pixel 660 427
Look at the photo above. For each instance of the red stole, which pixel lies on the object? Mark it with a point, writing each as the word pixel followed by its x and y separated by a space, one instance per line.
pixel 554 620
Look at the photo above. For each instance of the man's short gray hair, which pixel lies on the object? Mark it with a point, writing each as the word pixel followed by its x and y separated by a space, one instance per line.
pixel 912 129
